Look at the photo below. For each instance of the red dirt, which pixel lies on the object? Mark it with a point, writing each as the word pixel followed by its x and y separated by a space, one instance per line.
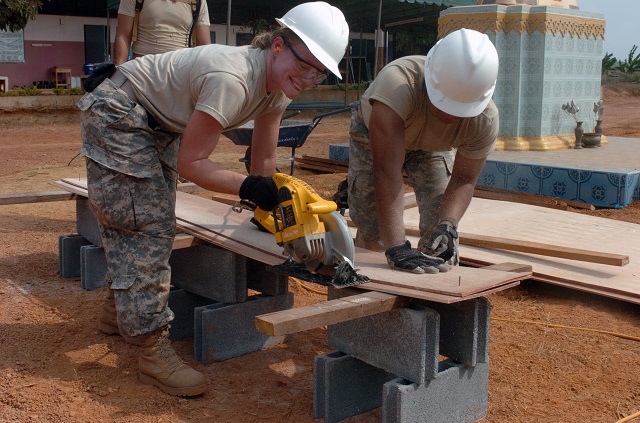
pixel 56 366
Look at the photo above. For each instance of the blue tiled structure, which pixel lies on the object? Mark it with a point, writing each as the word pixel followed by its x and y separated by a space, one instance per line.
pixel 600 188
pixel 548 56
pixel 608 176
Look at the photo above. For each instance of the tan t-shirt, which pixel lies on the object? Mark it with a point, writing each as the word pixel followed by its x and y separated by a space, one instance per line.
pixel 400 85
pixel 228 83
pixel 164 25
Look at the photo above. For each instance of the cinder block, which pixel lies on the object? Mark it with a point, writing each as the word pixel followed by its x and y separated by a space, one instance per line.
pixel 403 341
pixel 339 152
pixel 69 255
pixel 224 331
pixel 183 305
pixel 93 267
pixel 211 272
pixel 464 330
pixel 458 394
pixel 86 222
pixel 344 386
pixel 262 280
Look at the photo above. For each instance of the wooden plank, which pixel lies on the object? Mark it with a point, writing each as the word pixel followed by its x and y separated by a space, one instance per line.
pixel 530 247
pixel 348 308
pixel 516 199
pixel 537 248
pixel 36 197
pixel 526 198
pixel 328 312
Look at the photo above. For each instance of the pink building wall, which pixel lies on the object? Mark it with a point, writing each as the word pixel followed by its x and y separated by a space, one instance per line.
pixel 52 40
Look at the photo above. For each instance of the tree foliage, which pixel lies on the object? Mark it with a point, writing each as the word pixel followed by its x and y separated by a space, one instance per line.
pixel 608 62
pixel 14 14
pixel 632 63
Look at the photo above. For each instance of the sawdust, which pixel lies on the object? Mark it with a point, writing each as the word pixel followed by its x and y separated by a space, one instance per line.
pixel 56 366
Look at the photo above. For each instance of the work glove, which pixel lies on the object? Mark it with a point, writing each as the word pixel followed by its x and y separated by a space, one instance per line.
pixel 442 242
pixel 261 191
pixel 403 257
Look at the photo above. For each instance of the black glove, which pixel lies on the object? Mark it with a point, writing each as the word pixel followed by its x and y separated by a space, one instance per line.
pixel 442 244
pixel 403 257
pixel 261 191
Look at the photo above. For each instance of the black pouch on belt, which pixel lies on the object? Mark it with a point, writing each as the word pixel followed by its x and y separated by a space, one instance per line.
pixel 99 74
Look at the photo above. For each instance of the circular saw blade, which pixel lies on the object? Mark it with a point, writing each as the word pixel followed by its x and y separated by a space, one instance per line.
pixel 341 240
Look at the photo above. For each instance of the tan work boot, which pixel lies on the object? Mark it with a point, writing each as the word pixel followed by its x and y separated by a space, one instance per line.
pixel 159 365
pixel 108 322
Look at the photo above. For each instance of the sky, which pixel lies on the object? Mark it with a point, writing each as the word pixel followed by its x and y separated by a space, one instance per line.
pixel 621 31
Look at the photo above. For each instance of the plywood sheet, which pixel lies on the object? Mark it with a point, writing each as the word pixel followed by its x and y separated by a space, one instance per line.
pixel 218 224
pixel 562 228
pixel 458 282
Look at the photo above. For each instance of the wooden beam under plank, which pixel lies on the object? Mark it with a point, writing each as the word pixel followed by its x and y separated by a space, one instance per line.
pixel 344 309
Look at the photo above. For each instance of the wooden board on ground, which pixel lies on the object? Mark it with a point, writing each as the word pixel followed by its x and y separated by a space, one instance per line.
pixel 561 228
pixel 218 224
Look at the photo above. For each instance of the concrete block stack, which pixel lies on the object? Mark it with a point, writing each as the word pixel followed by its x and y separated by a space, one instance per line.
pixel 209 294
pixel 424 363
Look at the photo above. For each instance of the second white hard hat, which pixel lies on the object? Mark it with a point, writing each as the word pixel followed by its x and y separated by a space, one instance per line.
pixel 460 73
pixel 323 29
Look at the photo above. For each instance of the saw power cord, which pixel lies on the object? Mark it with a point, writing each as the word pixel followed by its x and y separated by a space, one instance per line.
pixel 629 418
pixel 551 325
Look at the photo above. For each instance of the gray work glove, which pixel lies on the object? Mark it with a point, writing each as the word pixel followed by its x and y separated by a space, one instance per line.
pixel 261 191
pixel 442 242
pixel 403 257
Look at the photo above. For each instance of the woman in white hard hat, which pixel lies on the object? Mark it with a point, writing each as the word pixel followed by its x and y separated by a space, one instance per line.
pixel 415 117
pixel 162 115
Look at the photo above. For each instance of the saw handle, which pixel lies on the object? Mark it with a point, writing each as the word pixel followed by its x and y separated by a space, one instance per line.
pixel 321 207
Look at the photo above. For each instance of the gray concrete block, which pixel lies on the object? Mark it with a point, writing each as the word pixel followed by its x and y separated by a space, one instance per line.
pixel 464 330
pixel 211 272
pixel 183 305
pixel 344 386
pixel 86 222
pixel 93 267
pixel 458 394
pixel 69 255
pixel 402 341
pixel 264 281
pixel 224 331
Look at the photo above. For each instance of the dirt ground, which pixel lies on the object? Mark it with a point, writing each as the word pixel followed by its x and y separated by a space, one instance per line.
pixel 55 366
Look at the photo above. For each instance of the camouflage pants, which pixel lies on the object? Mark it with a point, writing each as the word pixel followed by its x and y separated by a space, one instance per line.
pixel 428 172
pixel 133 199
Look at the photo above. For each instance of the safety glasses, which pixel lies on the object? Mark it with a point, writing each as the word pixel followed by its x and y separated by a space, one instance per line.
pixel 310 72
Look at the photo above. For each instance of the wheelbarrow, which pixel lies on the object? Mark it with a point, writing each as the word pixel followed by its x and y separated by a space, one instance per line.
pixel 293 134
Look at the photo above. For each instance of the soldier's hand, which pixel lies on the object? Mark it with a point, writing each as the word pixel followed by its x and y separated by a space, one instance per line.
pixel 403 257
pixel 442 242
pixel 261 191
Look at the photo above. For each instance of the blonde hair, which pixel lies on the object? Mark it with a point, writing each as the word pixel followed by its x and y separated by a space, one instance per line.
pixel 264 40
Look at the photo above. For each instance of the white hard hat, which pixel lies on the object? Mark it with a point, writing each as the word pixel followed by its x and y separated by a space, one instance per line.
pixel 323 30
pixel 460 73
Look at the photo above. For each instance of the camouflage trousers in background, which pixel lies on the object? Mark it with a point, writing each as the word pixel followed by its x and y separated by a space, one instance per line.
pixel 428 172
pixel 133 197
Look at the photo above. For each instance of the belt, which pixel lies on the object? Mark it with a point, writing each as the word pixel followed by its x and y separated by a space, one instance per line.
pixel 121 81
